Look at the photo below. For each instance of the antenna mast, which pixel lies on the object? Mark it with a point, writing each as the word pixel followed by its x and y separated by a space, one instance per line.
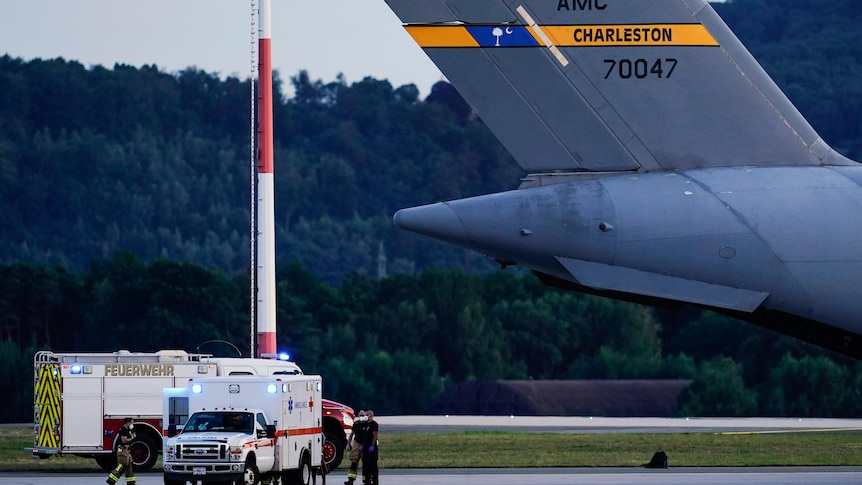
pixel 265 193
pixel 252 136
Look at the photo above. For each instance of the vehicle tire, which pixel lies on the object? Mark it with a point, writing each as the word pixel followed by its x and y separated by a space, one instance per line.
pixel 106 461
pixel 304 470
pixel 333 450
pixel 144 453
pixel 300 476
pixel 251 476
pixel 176 482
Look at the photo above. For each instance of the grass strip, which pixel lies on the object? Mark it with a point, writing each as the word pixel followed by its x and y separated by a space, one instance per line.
pixel 474 449
pixel 484 449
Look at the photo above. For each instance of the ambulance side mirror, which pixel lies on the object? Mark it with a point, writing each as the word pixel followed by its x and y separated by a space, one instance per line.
pixel 172 430
pixel 270 431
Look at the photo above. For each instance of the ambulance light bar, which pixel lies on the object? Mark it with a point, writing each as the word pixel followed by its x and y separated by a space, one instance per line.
pixel 235 389
pixel 280 356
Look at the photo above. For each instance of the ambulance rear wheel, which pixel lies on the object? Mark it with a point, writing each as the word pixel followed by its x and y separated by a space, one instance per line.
pixel 305 470
pixel 300 476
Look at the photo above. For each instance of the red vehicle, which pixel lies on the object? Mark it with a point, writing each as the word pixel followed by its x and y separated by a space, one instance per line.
pixel 80 400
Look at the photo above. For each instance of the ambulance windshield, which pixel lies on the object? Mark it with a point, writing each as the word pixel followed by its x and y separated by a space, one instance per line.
pixel 234 422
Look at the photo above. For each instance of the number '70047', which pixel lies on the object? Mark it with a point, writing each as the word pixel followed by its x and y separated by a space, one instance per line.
pixel 640 68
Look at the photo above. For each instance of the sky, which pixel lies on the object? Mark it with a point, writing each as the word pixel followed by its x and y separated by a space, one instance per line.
pixel 357 38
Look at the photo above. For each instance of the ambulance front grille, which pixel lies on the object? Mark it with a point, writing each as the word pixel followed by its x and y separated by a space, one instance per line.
pixel 202 451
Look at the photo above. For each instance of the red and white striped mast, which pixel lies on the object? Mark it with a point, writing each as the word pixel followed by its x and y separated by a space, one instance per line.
pixel 265 313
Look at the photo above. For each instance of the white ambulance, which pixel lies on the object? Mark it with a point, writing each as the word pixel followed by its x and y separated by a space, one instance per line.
pixel 243 430
pixel 80 400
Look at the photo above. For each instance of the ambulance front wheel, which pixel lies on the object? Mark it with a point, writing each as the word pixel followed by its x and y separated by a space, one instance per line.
pixel 251 476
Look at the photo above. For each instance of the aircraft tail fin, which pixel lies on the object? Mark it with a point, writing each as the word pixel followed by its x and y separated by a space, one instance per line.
pixel 622 85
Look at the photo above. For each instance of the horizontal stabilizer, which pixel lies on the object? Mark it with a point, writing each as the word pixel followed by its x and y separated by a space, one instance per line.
pixel 622 85
pixel 626 280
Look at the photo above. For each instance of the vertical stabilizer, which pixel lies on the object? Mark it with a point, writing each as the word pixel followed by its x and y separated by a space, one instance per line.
pixel 613 85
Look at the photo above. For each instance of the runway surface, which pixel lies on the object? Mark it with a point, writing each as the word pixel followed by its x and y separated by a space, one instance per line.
pixel 544 476
pixel 558 476
pixel 587 424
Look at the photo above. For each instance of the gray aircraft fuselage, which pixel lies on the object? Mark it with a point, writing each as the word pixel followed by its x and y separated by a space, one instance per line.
pixel 748 241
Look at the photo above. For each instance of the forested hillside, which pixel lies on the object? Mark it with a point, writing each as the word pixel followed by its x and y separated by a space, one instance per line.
pixel 813 51
pixel 93 161
pixel 125 224
pixel 394 343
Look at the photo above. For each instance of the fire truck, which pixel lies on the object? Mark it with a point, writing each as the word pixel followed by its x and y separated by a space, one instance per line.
pixel 244 429
pixel 80 400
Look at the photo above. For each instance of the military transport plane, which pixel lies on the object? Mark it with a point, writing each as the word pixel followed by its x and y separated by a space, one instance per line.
pixel 664 165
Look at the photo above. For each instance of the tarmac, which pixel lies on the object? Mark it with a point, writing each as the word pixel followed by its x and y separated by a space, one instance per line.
pixel 559 476
pixel 591 424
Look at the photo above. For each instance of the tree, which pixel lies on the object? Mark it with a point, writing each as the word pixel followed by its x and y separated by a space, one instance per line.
pixel 718 390
pixel 446 94
pixel 16 367
pixel 808 386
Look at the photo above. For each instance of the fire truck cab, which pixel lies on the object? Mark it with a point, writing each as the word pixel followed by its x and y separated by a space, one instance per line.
pixel 80 400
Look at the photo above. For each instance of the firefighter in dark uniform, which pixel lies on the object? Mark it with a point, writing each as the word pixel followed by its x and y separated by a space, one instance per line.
pixel 354 441
pixel 124 457
pixel 369 450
